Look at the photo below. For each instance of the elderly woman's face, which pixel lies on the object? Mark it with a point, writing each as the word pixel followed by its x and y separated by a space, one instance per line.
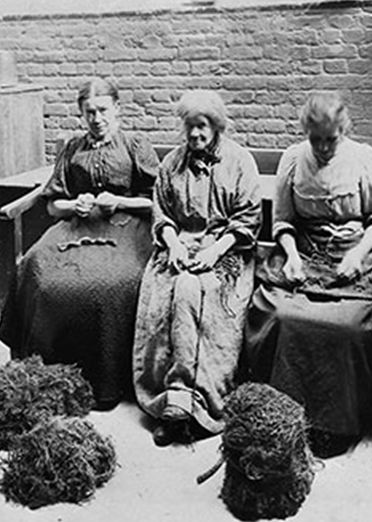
pixel 100 113
pixel 324 141
pixel 199 132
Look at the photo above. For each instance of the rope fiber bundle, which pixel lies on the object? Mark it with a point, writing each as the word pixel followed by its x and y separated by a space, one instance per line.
pixel 59 460
pixel 31 391
pixel 269 465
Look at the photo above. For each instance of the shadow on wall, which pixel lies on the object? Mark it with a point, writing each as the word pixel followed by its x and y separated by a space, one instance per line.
pixel 38 7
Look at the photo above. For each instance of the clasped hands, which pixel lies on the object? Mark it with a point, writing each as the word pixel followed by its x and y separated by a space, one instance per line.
pixel 203 261
pixel 85 203
pixel 348 270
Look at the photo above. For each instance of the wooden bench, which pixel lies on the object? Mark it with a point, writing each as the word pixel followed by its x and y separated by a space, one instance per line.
pixel 23 215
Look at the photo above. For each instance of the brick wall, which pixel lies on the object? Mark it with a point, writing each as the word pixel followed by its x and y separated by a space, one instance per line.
pixel 263 61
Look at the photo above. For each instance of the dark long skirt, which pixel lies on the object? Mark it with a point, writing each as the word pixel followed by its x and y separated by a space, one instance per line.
pixel 315 344
pixel 74 299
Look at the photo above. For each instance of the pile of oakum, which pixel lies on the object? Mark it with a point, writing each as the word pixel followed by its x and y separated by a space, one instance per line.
pixel 31 391
pixel 269 465
pixel 59 460
pixel 53 454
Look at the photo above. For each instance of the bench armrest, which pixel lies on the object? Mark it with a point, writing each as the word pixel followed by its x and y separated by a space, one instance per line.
pixel 19 206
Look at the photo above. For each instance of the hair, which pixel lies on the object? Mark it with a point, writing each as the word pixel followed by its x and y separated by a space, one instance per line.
pixel 97 87
pixel 203 103
pixel 325 109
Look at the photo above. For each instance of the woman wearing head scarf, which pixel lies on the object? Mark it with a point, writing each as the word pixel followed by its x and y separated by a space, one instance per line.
pixel 309 328
pixel 199 279
pixel 75 294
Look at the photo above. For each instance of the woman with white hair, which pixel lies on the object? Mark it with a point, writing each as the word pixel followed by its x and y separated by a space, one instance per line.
pixel 309 328
pixel 199 279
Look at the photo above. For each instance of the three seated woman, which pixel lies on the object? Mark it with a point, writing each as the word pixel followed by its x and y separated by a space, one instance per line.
pixel 308 326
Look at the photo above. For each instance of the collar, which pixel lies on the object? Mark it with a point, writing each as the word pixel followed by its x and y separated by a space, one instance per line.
pixel 94 143
pixel 201 162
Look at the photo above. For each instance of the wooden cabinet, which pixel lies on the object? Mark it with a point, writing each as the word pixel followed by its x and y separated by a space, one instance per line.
pixel 21 129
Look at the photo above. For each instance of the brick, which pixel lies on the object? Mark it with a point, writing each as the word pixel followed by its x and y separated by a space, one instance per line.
pixel 132 109
pixel 127 82
pixel 242 53
pixel 160 69
pixel 123 68
pixel 335 66
pixel 81 56
pixel 68 96
pixel 141 69
pixel 242 97
pixel 76 43
pixel 259 140
pixel 145 123
pixel 306 36
pixel 207 67
pixel 365 51
pixel 362 127
pixel 300 52
pixel 335 51
pixel 198 53
pixel 150 55
pixel 150 41
pixel 51 69
pixel 85 68
pixel 331 36
pixel 49 56
pixel 286 111
pixel 243 125
pixel 343 21
pixel 161 95
pixel 180 68
pixel 274 98
pixel 353 35
pixel 159 109
pixel 104 68
pixel 141 97
pixel 68 69
pixel 167 123
pixel 72 123
pixel 366 20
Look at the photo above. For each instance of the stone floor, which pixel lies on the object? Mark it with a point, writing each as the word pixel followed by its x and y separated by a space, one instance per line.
pixel 159 484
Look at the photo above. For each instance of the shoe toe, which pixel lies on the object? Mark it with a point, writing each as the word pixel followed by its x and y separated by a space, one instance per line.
pixel 162 435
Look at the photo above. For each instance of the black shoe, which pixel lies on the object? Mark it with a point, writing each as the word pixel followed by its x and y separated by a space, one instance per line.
pixel 163 434
pixel 325 444
pixel 106 405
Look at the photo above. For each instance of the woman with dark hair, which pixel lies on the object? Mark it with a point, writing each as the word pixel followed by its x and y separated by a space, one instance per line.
pixel 199 279
pixel 309 328
pixel 75 293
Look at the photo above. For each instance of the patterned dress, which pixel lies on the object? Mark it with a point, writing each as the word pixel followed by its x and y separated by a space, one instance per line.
pixel 314 342
pixel 74 297
pixel 190 326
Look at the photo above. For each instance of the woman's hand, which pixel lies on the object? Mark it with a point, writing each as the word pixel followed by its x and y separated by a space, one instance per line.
pixel 351 266
pixel 84 204
pixel 107 202
pixel 178 258
pixel 293 270
pixel 205 259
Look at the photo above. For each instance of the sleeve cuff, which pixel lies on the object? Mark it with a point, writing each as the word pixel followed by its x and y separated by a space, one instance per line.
pixel 280 227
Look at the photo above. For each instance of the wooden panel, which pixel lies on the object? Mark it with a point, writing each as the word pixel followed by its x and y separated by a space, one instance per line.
pixel 267 160
pixel 21 130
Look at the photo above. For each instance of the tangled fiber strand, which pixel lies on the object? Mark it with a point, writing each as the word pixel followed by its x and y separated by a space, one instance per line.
pixel 31 391
pixel 269 466
pixel 59 460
